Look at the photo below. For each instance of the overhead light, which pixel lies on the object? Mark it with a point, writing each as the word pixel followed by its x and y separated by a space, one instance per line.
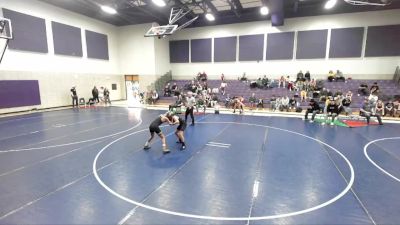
pixel 160 3
pixel 108 9
pixel 330 4
pixel 210 17
pixel 264 10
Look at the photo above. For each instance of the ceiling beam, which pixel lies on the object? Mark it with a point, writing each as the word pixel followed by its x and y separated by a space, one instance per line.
pixel 235 8
pixel 211 6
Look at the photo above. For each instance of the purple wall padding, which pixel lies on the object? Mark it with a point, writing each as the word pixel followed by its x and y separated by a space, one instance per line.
pixel 225 49
pixel 67 39
pixel 29 32
pixel 179 51
pixel 311 44
pixel 383 41
pixel 280 46
pixel 200 50
pixel 346 42
pixel 251 47
pixel 17 93
pixel 96 45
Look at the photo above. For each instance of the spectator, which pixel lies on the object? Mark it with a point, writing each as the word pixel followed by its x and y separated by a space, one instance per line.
pixel 314 109
pixel 106 96
pixel 154 97
pixel 300 76
pixel 203 76
pixel 95 94
pixel 380 108
pixel 331 76
pixel 74 96
pixel 307 75
pixel 101 94
pixel 260 103
pixel 332 110
pixel 366 111
pixel 222 77
pixel 374 89
pixel 349 94
pixel 167 90
pixel 252 101
pixel 282 81
pixel 303 95
pixel 223 87
pixel 363 89
pixel 243 78
pixel 273 103
pixel 339 76
pixel 290 83
pixel 389 108
pixel 285 104
pixel 346 102
pixel 292 104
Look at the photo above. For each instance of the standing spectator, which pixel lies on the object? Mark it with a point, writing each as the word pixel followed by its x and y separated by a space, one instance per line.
pixel 95 94
pixel 190 103
pixel 331 76
pixel 307 75
pixel 74 96
pixel 101 94
pixel 252 101
pixel 222 77
pixel 282 81
pixel 223 87
pixel 106 96
pixel 300 76
pixel 154 97
pixel 366 111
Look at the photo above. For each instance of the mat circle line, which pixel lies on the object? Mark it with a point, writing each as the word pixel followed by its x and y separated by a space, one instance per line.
pixel 324 204
pixel 373 162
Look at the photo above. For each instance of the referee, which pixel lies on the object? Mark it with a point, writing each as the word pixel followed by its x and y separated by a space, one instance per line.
pixel 189 103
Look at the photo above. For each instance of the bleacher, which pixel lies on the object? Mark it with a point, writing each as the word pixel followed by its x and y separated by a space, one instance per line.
pixel 388 89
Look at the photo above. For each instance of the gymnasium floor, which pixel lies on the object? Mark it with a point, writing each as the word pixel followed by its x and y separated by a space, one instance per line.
pixel 88 167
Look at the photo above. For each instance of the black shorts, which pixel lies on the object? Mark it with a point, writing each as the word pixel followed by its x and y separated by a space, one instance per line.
pixel 181 127
pixel 155 129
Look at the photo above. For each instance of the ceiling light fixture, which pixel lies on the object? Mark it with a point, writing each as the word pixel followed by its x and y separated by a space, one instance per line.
pixel 330 4
pixel 108 9
pixel 159 3
pixel 264 10
pixel 210 17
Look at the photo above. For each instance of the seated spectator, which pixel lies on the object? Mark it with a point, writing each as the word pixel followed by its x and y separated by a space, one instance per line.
pixel 339 76
pixel 252 101
pixel 313 108
pixel 331 76
pixel 91 101
pixel 374 89
pixel 228 101
pixel 389 109
pixel 223 87
pixel 346 102
pixel 264 82
pixel 363 89
pixel 332 110
pixel 290 85
pixel 243 78
pixel 260 103
pixel 154 97
pixel 174 89
pixel 307 75
pixel 380 108
pixel 284 104
pixel 293 104
pixel 303 95
pixel 203 76
pixel 300 76
pixel 178 103
pixel 167 90
pixel 214 100
pixel 366 111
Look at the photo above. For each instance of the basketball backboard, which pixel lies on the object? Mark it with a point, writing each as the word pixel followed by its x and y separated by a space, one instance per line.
pixel 5 28
pixel 160 31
